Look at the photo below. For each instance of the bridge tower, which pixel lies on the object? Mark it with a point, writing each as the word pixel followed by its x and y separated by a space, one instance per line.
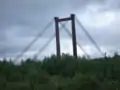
pixel 74 43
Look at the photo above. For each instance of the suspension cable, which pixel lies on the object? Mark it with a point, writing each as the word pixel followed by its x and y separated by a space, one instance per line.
pixel 63 25
pixel 44 47
pixel 91 39
pixel 34 40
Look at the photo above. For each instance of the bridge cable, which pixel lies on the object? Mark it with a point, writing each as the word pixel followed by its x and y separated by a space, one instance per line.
pixel 34 40
pixel 86 32
pixel 44 47
pixel 69 33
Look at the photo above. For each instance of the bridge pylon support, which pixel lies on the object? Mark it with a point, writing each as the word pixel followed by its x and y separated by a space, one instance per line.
pixel 74 43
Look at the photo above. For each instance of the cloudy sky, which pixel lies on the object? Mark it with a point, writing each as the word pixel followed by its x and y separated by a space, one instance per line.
pixel 21 20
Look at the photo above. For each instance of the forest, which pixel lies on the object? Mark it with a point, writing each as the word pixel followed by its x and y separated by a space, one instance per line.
pixel 66 73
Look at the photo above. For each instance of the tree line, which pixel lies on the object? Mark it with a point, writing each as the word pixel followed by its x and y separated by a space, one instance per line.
pixel 66 73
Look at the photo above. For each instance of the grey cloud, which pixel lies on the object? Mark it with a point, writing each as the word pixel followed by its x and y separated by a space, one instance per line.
pixel 83 3
pixel 113 4
pixel 33 13
pixel 25 18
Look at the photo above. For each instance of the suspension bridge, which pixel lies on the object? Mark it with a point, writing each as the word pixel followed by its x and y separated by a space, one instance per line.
pixel 74 19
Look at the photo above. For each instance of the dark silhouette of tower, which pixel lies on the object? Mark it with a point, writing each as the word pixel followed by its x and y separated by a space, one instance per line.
pixel 72 19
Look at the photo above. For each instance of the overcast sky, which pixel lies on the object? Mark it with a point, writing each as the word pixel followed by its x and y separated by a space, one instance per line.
pixel 21 20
